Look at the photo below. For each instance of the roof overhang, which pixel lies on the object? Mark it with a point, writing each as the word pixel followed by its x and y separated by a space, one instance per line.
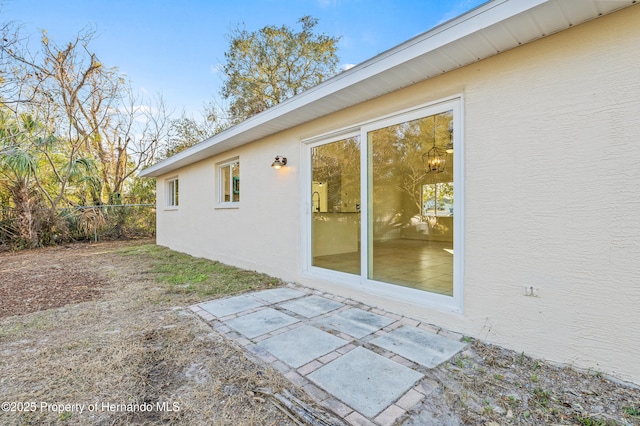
pixel 487 30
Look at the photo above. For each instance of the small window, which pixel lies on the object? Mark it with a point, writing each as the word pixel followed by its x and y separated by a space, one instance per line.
pixel 172 192
pixel 229 181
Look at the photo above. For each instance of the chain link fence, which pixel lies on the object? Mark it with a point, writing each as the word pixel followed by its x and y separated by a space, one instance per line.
pixel 40 226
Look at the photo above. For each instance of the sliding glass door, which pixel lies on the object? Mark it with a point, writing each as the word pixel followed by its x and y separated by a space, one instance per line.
pixel 409 203
pixel 410 191
pixel 335 205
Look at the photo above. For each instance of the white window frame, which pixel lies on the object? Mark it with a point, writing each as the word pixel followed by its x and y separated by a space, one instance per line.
pixel 361 282
pixel 221 202
pixel 172 193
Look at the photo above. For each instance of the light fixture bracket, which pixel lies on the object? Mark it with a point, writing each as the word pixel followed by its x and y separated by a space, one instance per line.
pixel 279 162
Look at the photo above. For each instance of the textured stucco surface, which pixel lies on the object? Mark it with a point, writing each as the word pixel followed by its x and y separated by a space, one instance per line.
pixel 552 198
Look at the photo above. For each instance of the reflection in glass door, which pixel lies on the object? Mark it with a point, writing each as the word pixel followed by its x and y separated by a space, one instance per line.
pixel 335 205
pixel 411 193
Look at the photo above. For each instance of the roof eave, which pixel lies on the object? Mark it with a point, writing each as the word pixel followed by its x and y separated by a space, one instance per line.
pixel 453 44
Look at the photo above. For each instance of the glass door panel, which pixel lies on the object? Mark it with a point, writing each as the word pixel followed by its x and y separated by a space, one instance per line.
pixel 411 193
pixel 335 206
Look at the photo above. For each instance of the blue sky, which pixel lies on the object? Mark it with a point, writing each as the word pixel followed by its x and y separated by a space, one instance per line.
pixel 174 47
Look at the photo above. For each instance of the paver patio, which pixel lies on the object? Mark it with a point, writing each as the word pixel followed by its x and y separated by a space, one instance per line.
pixel 363 364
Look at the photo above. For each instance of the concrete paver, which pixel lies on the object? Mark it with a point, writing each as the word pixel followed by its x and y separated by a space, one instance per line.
pixel 232 305
pixel 312 306
pixel 277 294
pixel 420 346
pixel 301 345
pixel 260 322
pixel 365 381
pixel 316 340
pixel 355 322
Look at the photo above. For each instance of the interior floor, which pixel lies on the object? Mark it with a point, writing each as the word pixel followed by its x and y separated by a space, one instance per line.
pixel 419 264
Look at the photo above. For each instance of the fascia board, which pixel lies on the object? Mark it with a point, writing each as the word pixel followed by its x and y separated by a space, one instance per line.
pixel 472 22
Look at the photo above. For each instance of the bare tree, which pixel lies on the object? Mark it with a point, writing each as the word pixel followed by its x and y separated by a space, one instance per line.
pixel 187 131
pixel 89 108
pixel 71 132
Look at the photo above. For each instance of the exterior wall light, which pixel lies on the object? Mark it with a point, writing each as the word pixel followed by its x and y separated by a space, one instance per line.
pixel 280 162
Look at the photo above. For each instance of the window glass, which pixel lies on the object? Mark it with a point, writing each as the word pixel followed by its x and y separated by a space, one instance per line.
pixel 226 185
pixel 411 194
pixel 335 205
pixel 229 177
pixel 172 192
pixel 235 182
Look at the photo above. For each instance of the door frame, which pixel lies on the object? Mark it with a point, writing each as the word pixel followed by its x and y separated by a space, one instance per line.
pixel 362 282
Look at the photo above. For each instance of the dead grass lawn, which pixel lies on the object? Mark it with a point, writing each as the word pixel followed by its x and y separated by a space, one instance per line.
pixel 111 334
pixel 104 324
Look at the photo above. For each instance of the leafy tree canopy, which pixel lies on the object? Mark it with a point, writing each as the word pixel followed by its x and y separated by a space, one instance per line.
pixel 186 131
pixel 265 67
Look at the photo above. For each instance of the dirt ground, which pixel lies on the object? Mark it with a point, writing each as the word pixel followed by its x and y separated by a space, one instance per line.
pixel 87 328
pixel 84 328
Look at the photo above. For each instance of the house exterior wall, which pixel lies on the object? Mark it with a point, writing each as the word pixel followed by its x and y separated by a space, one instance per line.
pixel 551 199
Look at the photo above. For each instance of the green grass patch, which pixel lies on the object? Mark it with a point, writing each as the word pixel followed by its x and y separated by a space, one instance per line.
pixel 541 397
pixel 590 421
pixel 34 322
pixel 632 411
pixel 183 274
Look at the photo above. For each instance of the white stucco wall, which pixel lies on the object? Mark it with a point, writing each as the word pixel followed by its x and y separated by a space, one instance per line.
pixel 552 198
